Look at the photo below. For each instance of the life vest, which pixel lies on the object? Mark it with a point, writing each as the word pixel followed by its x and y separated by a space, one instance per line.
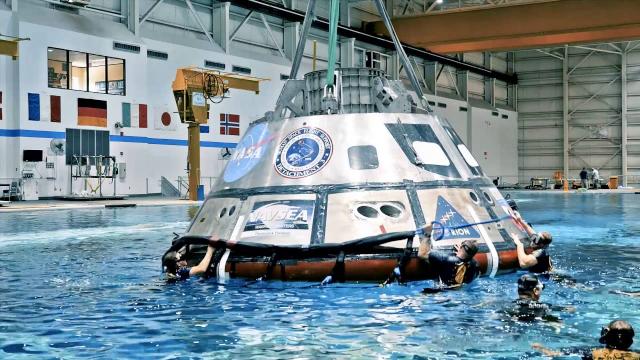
pixel 613 354
pixel 460 271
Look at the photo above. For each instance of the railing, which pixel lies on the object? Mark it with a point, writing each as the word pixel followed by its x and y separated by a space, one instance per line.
pixel 183 184
pixel 11 188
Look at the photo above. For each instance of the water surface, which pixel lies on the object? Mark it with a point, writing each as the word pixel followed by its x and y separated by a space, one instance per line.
pixel 87 284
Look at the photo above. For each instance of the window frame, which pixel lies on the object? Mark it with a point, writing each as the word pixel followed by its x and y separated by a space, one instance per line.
pixel 87 67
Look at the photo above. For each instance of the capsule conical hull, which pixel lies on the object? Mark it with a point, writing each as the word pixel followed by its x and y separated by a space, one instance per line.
pixel 330 179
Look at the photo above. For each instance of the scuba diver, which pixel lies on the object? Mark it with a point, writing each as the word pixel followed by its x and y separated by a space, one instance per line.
pixel 528 307
pixel 617 338
pixel 455 269
pixel 178 269
pixel 539 260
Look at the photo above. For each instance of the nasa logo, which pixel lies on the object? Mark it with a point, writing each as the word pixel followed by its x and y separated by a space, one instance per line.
pixel 303 152
pixel 248 152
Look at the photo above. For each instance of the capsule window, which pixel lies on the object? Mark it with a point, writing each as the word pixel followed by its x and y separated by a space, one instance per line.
pixel 223 212
pixel 232 210
pixel 488 198
pixel 363 157
pixel 431 153
pixel 391 210
pixel 367 211
pixel 474 197
pixel 466 154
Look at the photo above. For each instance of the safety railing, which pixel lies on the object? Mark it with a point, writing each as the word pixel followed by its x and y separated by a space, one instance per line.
pixel 183 184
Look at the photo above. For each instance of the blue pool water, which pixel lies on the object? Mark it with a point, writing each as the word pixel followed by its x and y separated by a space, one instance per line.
pixel 87 284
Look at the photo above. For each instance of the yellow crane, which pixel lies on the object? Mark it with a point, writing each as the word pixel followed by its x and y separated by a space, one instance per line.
pixel 194 89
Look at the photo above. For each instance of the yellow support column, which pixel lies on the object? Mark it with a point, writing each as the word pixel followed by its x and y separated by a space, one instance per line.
pixel 193 158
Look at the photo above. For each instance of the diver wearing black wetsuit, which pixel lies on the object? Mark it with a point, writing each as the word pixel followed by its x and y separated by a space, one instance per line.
pixel 528 306
pixel 538 261
pixel 453 269
pixel 178 269
pixel 617 338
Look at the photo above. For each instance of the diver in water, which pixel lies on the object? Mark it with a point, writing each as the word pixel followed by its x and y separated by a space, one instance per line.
pixel 178 269
pixel 528 307
pixel 617 338
pixel 539 260
pixel 455 269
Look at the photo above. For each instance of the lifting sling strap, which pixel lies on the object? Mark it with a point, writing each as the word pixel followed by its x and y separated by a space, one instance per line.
pixel 272 264
pixel 337 273
pixel 398 271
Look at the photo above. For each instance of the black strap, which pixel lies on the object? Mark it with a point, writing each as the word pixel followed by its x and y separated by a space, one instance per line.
pixel 214 262
pixel 272 264
pixel 398 271
pixel 337 273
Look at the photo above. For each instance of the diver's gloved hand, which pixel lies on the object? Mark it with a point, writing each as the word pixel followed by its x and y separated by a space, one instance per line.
pixel 328 280
pixel 425 231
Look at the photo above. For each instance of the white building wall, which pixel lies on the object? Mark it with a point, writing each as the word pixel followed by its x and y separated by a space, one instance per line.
pixel 150 153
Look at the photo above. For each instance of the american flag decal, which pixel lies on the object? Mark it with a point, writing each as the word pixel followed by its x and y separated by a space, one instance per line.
pixel 229 124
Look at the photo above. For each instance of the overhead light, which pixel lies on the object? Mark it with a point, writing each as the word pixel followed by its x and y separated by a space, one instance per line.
pixel 439 1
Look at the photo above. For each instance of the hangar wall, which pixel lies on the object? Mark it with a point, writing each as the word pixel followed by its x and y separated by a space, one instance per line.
pixel 600 104
pixel 151 153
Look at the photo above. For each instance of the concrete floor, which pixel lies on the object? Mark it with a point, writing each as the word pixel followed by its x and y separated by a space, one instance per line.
pixel 62 204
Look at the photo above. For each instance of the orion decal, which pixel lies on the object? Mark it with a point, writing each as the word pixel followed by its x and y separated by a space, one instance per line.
pixel 279 218
pixel 303 152
pixel 248 153
pixel 450 218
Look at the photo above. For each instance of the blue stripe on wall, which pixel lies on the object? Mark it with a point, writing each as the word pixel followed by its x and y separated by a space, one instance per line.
pixel 114 138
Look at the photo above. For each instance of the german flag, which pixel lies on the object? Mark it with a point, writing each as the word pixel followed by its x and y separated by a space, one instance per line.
pixel 92 112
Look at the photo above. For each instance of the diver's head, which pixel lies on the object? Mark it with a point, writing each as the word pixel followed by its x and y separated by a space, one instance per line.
pixel 541 240
pixel 467 250
pixel 529 287
pixel 171 262
pixel 617 335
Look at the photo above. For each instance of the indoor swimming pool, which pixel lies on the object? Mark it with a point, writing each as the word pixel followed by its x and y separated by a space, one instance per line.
pixel 87 284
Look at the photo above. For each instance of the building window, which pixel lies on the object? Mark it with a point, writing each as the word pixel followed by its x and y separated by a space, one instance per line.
pixel 81 71
pixel 78 63
pixel 97 73
pixel 115 76
pixel 58 68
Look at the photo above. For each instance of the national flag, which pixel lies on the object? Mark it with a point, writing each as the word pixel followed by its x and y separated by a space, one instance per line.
pixel 163 118
pixel 44 108
pixel 229 124
pixel 134 115
pixel 34 106
pixel 55 109
pixel 204 129
pixel 92 112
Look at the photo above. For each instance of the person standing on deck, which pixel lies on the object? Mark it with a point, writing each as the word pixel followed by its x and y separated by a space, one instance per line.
pixel 583 178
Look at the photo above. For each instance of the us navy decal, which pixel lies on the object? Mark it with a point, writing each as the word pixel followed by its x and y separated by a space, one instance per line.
pixel 449 217
pixel 303 152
